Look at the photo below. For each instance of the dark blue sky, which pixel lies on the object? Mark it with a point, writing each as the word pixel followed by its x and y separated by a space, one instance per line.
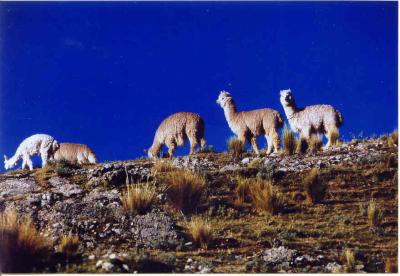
pixel 106 74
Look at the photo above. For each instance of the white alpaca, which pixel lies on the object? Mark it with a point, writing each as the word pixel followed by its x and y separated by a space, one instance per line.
pixel 42 144
pixel 248 125
pixel 314 119
pixel 75 153
pixel 175 130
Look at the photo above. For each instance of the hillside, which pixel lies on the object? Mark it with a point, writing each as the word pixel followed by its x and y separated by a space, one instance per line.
pixel 300 236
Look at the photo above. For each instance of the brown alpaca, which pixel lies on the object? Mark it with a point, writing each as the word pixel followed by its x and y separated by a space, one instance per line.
pixel 175 130
pixel 75 153
pixel 249 125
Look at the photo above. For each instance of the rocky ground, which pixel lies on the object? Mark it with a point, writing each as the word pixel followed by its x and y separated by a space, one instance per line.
pixel 86 201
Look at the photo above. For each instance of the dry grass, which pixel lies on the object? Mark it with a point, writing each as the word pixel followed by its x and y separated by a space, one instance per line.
pixel 21 247
pixel 243 190
pixel 138 198
pixel 314 144
pixel 390 265
pixel 69 245
pixel 350 260
pixel 200 232
pixel 314 188
pixel 289 141
pixel 184 189
pixel 374 214
pixel 393 139
pixel 162 166
pixel 255 163
pixel 235 147
pixel 265 197
pixel 43 175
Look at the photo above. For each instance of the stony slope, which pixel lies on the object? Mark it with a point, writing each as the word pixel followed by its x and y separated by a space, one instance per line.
pixel 302 238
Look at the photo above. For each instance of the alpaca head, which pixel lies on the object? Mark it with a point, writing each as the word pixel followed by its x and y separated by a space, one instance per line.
pixel 224 98
pixel 286 97
pixel 154 152
pixel 9 163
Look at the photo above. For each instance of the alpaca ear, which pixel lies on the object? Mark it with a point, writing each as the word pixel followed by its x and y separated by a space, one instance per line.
pixel 5 157
pixel 146 151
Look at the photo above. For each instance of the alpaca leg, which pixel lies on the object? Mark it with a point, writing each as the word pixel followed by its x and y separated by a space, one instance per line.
pixel 171 145
pixel 269 144
pixel 193 144
pixel 29 163
pixel 275 140
pixel 255 145
pixel 44 155
pixel 23 163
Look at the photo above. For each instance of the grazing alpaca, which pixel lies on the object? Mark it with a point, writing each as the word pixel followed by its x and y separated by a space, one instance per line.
pixel 314 119
pixel 248 125
pixel 75 153
pixel 174 131
pixel 42 144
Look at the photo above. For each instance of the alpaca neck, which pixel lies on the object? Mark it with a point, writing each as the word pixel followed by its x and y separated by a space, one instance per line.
pixel 14 159
pixel 156 146
pixel 290 110
pixel 230 112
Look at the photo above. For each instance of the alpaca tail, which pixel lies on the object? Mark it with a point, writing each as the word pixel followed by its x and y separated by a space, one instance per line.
pixel 339 119
pixel 92 158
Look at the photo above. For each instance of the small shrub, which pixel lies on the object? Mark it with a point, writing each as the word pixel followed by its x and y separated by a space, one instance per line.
pixel 200 232
pixel 267 172
pixel 43 175
pixel 375 214
pixel 390 265
pixel 69 245
pixel 350 260
pixel 138 198
pixel 393 139
pixel 301 146
pixel 289 141
pixel 243 190
pixel 184 189
pixel 314 188
pixel 22 248
pixel 265 197
pixel 235 147
pixel 314 144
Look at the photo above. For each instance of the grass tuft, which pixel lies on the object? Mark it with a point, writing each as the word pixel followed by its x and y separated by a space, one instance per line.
pixel 375 214
pixel 162 166
pixel 69 245
pixel 138 198
pixel 184 189
pixel 301 146
pixel 200 232
pixel 314 188
pixel 390 265
pixel 289 141
pixel 265 197
pixel 393 139
pixel 243 191
pixel 350 260
pixel 235 147
pixel 22 248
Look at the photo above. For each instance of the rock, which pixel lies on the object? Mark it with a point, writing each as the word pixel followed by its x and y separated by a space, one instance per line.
pixel 278 255
pixel 156 230
pixel 63 187
pixel 246 161
pixel 13 187
pixel 107 266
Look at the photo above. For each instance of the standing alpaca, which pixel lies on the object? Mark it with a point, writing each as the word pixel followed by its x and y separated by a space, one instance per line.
pixel 314 119
pixel 252 124
pixel 174 131
pixel 75 153
pixel 42 144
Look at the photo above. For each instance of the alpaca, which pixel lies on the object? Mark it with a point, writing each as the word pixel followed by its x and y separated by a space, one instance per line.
pixel 42 144
pixel 311 120
pixel 175 130
pixel 75 153
pixel 248 125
